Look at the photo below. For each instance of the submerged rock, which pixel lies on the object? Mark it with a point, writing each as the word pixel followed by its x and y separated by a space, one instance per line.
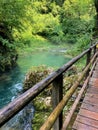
pixel 22 121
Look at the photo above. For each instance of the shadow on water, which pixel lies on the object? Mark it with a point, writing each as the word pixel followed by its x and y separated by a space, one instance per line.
pixel 11 85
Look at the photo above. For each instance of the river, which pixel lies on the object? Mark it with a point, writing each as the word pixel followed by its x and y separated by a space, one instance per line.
pixel 11 83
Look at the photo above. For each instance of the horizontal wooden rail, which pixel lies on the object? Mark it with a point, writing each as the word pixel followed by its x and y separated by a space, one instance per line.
pixel 19 103
pixel 52 118
pixel 76 102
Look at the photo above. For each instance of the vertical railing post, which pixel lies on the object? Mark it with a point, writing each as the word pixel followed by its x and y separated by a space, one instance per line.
pixel 94 49
pixel 88 60
pixel 57 95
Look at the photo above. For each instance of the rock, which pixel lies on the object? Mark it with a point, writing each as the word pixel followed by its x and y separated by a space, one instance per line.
pixel 47 101
pixel 35 75
pixel 42 103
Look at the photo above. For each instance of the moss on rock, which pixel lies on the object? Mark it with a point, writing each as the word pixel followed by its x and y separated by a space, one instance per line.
pixel 35 75
pixel 8 60
pixel 42 102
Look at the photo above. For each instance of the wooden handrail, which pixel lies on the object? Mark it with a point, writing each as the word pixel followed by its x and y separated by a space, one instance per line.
pixel 19 103
pixel 52 118
pixel 76 102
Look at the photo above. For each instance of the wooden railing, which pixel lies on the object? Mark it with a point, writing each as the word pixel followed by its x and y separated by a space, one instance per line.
pixel 55 118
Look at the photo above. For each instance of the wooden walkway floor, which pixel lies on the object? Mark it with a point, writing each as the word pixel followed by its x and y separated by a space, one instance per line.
pixel 87 118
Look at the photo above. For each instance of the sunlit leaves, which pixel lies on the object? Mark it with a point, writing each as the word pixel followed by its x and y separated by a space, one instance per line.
pixel 78 8
pixel 12 11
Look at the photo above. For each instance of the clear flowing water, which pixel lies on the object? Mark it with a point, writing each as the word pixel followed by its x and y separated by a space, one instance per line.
pixel 11 82
pixel 50 58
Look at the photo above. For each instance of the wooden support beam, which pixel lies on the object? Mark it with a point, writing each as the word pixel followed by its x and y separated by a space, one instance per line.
pixel 88 60
pixel 95 49
pixel 57 95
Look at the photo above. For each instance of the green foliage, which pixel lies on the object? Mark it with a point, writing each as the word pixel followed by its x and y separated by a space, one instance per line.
pixel 76 19
pixel 7 60
pixel 39 119
pixel 12 11
pixel 82 44
pixel 59 22
pixel 12 14
pixel 62 24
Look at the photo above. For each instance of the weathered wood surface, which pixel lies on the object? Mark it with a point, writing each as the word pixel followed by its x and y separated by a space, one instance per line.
pixel 57 95
pixel 87 118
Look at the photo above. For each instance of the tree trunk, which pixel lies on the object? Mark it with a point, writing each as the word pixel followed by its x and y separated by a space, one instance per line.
pixel 96 5
pixel 96 19
pixel 58 2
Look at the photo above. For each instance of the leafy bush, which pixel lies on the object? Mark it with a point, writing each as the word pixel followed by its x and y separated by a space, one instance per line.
pixel 82 43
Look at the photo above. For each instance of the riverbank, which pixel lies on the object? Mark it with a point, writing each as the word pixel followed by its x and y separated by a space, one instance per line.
pixel 11 83
pixel 38 43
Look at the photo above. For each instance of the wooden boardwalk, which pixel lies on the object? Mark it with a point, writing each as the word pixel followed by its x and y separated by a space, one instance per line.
pixel 87 118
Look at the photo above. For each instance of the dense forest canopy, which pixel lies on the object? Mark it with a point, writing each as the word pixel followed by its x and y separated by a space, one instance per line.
pixel 96 18
pixel 11 14
pixel 59 21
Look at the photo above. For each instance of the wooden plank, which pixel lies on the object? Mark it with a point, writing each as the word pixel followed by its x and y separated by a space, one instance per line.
pixel 91 95
pixel 80 126
pixel 90 107
pixel 96 68
pixel 95 74
pixel 94 78
pixel 94 82
pixel 93 101
pixel 87 121
pixel 88 114
pixel 93 88
pixel 92 92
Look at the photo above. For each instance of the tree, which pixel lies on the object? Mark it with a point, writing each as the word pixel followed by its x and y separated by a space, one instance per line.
pixel 12 16
pixel 96 18
pixel 58 2
pixel 96 5
pixel 12 13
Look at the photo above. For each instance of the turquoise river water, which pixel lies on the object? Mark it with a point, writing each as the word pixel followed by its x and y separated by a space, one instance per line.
pixel 11 82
